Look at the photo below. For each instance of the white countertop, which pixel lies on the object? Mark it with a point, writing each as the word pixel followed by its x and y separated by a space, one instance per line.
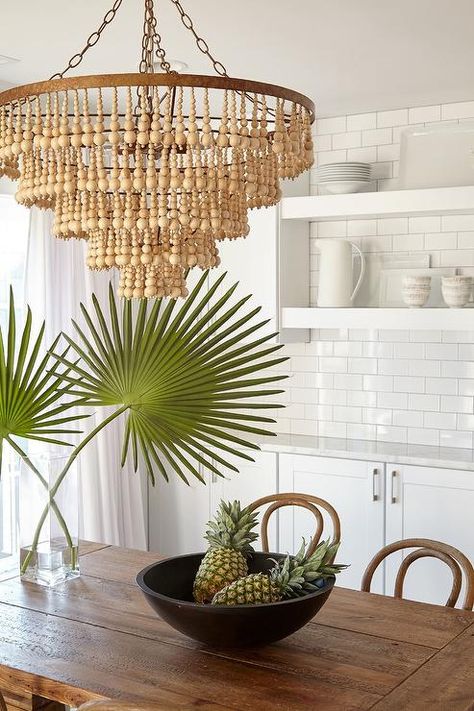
pixel 421 455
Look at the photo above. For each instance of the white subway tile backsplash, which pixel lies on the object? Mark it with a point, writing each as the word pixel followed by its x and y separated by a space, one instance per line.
pixel 457 258
pixel 358 122
pixel 409 384
pixel 441 351
pixel 333 365
pixel 348 382
pixel 459 110
pixel 408 243
pixel 457 403
pixel 376 136
pixel 377 416
pixel 455 438
pixel 417 401
pixel 361 398
pixel 353 139
pixel 465 387
pixel 430 223
pixel 331 125
pixel 408 350
pixel 362 155
pixel 390 152
pixel 392 385
pixel 442 386
pixel 338 228
pixel 465 240
pixel 441 240
pixel 422 114
pixel 347 414
pixel 457 369
pixel 333 397
pixel 361 228
pixel 357 431
pixel 407 418
pixel 389 366
pixel 387 433
pixel 375 349
pixel 383 383
pixel 424 368
pixel 440 420
pixel 364 366
pixel 348 348
pixel 457 223
pixel 392 226
pixel 398 117
pixel 396 401
pixel 418 435
pixel 332 429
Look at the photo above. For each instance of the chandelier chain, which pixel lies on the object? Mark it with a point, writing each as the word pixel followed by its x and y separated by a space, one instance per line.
pixel 200 41
pixel 91 40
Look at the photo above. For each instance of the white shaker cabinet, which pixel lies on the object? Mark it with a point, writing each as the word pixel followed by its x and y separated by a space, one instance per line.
pixel 177 514
pixel 356 490
pixel 254 480
pixel 426 502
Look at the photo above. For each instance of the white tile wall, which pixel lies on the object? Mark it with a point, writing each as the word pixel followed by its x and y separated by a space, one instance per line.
pixel 399 386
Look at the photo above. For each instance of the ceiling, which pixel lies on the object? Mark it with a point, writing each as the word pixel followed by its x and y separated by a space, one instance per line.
pixel 348 55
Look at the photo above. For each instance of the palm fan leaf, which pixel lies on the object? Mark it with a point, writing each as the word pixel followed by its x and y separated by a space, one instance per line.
pixel 187 376
pixel 33 396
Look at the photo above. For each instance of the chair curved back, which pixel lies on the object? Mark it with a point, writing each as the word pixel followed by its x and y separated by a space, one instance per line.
pixel 454 559
pixel 307 501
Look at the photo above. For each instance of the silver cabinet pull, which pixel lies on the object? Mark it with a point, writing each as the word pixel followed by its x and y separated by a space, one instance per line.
pixel 375 474
pixel 393 496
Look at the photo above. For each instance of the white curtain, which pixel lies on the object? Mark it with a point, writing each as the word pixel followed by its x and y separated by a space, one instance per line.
pixel 57 280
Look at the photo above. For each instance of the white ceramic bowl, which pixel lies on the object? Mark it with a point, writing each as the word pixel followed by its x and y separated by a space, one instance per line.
pixel 344 187
pixel 456 290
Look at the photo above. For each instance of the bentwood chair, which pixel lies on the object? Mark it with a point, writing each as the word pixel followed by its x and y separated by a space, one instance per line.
pixel 307 501
pixel 454 559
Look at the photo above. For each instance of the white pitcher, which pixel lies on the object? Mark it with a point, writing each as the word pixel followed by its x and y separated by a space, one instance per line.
pixel 335 272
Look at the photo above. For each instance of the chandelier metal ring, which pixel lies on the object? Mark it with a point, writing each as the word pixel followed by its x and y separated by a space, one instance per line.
pixel 204 81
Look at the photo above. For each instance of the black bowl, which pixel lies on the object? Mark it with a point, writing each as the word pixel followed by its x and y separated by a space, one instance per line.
pixel 168 587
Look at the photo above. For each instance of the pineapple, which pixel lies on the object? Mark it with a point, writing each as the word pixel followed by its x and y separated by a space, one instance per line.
pixel 230 537
pixel 293 576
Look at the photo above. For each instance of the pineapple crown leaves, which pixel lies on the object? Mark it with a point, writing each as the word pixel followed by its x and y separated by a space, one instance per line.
pixel 232 528
pixel 185 376
pixel 296 575
pixel 32 391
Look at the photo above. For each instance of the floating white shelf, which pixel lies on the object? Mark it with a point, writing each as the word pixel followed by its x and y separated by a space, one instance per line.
pixel 442 319
pixel 390 203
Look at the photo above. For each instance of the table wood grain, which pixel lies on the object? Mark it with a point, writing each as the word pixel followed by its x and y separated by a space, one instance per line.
pixel 95 637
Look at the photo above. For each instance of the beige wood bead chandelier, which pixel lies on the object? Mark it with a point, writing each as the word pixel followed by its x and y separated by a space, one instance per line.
pixel 140 166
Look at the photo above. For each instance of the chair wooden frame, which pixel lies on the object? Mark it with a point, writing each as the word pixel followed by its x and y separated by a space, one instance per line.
pixel 454 559
pixel 307 501
pixel 3 706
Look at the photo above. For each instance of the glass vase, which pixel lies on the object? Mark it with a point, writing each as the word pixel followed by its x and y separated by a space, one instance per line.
pixel 49 521
pixel 9 515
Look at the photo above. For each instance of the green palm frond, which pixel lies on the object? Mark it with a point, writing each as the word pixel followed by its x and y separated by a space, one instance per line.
pixel 33 402
pixel 187 376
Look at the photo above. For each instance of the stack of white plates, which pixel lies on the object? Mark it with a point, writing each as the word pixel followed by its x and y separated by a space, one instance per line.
pixel 341 178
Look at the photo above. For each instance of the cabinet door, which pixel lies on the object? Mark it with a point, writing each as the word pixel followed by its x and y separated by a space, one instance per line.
pixel 177 515
pixel 356 490
pixel 254 480
pixel 428 503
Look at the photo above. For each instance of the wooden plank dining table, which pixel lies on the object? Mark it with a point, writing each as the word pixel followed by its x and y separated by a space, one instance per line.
pixel 95 637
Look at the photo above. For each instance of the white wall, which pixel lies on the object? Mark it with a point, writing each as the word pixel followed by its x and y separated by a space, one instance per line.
pixel 401 386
